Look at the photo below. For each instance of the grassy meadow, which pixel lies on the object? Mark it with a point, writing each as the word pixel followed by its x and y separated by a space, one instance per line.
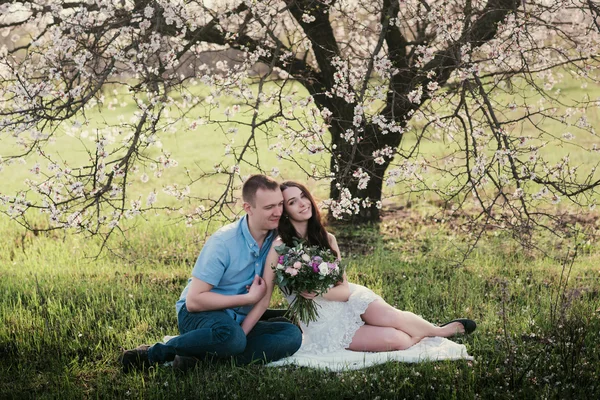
pixel 65 315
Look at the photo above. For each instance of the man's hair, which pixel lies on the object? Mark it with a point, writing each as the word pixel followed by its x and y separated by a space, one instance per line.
pixel 255 182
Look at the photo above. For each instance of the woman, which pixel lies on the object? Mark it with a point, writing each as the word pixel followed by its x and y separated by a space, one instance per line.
pixel 350 316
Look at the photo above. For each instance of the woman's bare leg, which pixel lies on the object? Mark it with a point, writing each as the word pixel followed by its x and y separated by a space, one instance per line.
pixel 380 313
pixel 380 338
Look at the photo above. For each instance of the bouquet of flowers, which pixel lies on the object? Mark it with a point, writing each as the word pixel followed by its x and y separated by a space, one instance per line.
pixel 303 268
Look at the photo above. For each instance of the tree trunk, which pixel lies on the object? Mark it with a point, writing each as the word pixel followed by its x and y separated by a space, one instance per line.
pixel 348 158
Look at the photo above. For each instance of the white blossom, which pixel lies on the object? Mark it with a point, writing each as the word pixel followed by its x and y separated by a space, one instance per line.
pixel 323 269
pixel 307 18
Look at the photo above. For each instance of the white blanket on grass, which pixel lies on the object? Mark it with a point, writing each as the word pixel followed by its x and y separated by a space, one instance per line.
pixel 428 349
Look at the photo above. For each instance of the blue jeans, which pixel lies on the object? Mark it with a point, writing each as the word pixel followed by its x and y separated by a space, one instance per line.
pixel 216 333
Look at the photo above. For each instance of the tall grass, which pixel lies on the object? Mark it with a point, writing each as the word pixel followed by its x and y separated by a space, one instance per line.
pixel 64 317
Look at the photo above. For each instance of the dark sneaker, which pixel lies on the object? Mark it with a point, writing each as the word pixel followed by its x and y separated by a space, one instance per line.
pixel 135 359
pixel 182 363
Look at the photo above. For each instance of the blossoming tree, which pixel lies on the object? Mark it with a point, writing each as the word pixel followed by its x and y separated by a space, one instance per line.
pixel 460 99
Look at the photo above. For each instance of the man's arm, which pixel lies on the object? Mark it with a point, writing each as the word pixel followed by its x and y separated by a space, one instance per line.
pixel 200 298
pixel 269 278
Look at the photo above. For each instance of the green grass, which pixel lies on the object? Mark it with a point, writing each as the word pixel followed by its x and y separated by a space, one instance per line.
pixel 63 318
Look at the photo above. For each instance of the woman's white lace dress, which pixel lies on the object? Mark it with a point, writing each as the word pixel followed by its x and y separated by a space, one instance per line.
pixel 337 322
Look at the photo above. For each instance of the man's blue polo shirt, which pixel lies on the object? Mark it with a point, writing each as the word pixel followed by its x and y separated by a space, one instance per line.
pixel 229 260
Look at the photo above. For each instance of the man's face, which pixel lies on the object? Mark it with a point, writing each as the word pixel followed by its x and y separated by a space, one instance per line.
pixel 267 209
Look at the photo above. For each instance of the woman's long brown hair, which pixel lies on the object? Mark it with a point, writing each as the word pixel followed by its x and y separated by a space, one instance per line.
pixel 315 232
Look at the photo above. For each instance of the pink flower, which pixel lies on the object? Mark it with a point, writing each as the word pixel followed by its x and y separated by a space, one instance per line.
pixel 297 265
pixel 291 271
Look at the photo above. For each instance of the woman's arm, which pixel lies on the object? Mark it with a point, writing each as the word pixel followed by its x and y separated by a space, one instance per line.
pixel 269 278
pixel 334 245
pixel 340 292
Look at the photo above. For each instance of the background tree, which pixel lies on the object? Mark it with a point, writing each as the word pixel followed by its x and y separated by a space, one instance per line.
pixel 453 98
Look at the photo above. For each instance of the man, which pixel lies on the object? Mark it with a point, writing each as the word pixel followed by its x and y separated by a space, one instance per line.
pixel 219 310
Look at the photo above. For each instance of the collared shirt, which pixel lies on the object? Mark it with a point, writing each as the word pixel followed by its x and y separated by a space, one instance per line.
pixel 228 261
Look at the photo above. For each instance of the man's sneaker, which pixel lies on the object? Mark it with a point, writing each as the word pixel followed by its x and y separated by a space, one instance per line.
pixel 182 363
pixel 135 359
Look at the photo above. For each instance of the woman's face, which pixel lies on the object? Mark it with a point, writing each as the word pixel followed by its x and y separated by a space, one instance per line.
pixel 296 204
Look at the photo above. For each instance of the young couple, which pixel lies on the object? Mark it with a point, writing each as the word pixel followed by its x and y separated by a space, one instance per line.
pixel 221 312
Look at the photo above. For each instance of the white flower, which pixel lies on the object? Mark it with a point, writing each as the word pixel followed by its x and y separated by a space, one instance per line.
pixel 433 86
pixel 307 18
pixel 415 95
pixel 148 12
pixel 280 266
pixel 145 24
pixel 568 136
pixel 151 198
pixel 36 169
pixel 323 269
pixel 325 113
pixel 305 257
pixel 518 193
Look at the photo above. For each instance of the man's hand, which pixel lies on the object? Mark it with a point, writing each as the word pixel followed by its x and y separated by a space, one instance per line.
pixel 257 290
